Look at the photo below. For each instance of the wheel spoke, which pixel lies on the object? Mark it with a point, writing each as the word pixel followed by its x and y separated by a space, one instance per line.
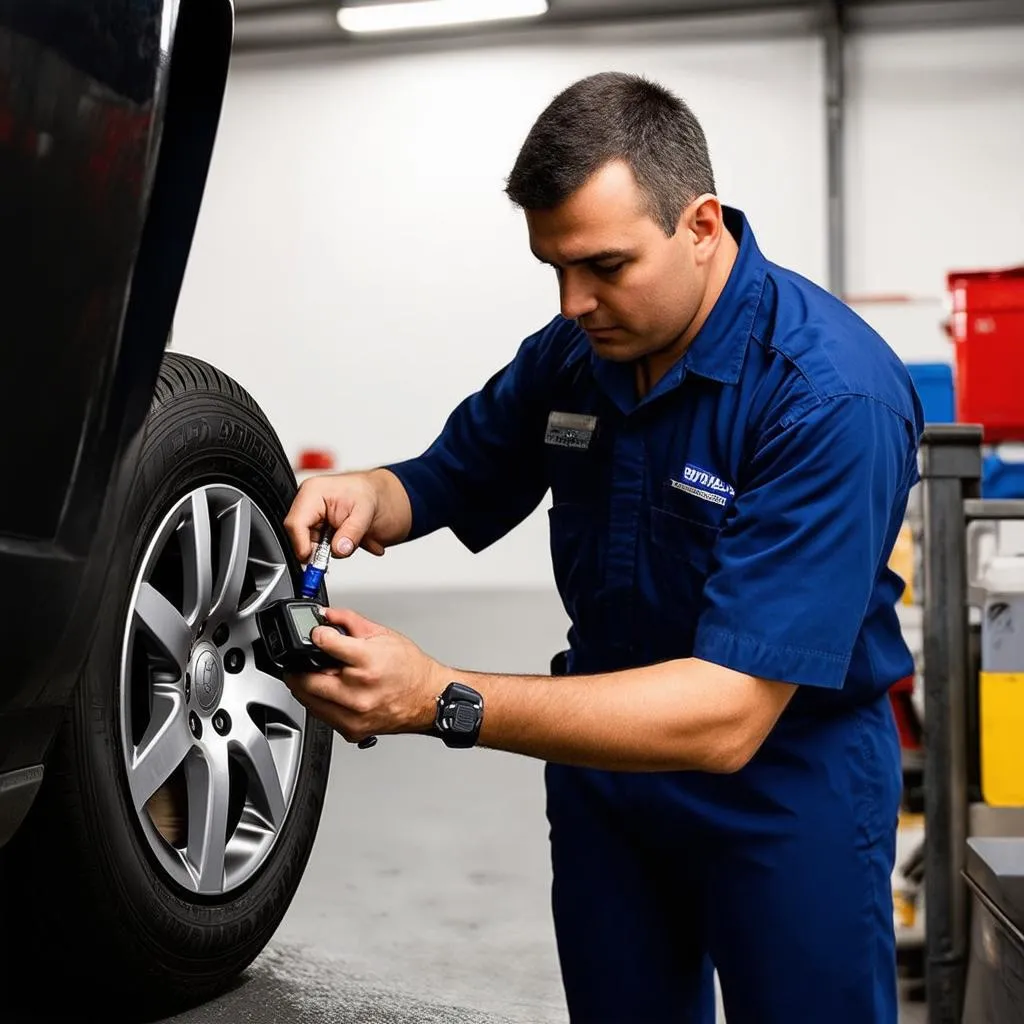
pixel 253 687
pixel 164 745
pixel 252 828
pixel 278 586
pixel 260 766
pixel 274 583
pixel 234 556
pixel 208 782
pixel 164 623
pixel 197 559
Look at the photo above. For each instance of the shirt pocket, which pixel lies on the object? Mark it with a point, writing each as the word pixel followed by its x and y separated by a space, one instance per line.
pixel 577 476
pixel 685 543
pixel 679 559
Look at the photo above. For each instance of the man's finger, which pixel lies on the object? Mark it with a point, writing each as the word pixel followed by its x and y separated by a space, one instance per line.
pixel 351 530
pixel 307 512
pixel 328 711
pixel 322 686
pixel 353 623
pixel 330 699
pixel 346 649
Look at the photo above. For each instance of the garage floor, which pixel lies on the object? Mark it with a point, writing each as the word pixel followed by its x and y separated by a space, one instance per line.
pixel 426 895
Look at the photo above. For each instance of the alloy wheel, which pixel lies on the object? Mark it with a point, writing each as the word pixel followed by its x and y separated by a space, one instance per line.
pixel 211 736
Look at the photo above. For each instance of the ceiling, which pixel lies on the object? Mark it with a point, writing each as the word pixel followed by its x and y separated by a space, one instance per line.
pixel 262 25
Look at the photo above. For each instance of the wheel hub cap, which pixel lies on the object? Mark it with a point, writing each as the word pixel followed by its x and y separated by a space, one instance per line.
pixel 207 677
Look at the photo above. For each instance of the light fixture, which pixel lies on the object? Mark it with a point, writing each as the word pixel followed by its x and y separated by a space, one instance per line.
pixel 418 14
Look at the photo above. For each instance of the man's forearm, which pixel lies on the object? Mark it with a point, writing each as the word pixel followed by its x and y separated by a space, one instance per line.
pixel 678 715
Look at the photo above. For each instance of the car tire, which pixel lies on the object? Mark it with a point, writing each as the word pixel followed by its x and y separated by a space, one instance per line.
pixel 90 888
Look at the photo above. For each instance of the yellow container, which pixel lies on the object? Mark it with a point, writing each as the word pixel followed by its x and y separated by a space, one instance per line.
pixel 901 561
pixel 1001 718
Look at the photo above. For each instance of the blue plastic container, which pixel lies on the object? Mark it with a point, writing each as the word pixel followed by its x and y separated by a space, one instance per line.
pixel 1000 478
pixel 934 384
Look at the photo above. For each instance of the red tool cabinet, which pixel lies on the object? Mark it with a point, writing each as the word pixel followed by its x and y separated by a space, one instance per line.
pixel 987 328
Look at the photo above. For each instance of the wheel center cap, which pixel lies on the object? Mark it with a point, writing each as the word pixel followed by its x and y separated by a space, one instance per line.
pixel 207 678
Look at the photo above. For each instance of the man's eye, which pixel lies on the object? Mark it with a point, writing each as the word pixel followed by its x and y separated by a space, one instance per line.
pixel 608 268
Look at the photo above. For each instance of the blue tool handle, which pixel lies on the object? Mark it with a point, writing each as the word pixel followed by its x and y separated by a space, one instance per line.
pixel 311 580
pixel 313 577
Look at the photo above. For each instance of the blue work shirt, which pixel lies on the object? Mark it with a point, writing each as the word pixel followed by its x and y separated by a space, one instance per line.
pixel 742 512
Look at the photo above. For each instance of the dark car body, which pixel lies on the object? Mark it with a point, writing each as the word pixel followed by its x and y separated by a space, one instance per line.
pixel 108 114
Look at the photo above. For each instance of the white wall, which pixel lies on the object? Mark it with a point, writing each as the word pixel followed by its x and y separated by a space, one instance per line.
pixel 935 170
pixel 355 232
pixel 358 267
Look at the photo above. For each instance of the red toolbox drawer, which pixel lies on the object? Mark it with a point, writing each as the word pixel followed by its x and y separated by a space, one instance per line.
pixel 988 335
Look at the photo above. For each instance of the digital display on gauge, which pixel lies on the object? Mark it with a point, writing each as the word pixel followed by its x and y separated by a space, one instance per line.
pixel 305 620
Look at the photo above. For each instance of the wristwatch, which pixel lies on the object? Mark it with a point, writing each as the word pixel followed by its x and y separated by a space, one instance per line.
pixel 460 712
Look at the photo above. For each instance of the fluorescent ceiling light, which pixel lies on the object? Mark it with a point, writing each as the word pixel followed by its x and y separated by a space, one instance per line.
pixel 397 17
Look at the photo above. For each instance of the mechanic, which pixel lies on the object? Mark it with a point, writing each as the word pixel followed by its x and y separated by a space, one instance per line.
pixel 729 450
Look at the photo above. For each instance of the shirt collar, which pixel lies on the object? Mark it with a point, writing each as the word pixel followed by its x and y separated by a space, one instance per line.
pixel 718 349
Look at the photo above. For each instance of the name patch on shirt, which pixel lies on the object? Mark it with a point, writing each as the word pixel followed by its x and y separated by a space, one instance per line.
pixel 704 485
pixel 570 430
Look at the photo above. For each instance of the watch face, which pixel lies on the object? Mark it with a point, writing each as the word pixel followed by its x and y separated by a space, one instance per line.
pixel 463 718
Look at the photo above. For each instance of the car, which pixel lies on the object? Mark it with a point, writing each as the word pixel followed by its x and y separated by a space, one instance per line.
pixel 160 787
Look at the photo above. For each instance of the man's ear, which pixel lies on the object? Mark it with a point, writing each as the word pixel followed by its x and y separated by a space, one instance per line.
pixel 702 220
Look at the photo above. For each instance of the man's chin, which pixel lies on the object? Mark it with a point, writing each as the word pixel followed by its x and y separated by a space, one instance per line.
pixel 614 347
pixel 615 353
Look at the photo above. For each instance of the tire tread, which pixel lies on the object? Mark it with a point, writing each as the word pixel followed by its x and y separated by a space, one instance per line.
pixel 181 374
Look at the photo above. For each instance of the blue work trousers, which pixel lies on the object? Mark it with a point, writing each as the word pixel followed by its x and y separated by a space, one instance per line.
pixel 778 876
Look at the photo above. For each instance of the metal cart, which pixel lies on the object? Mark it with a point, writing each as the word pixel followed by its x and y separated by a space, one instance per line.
pixel 973 640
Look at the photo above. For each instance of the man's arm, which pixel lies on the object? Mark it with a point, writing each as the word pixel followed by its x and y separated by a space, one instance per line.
pixel 481 476
pixel 484 473
pixel 674 716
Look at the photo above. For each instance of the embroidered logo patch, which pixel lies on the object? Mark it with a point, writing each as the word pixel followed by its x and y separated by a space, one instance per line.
pixel 570 430
pixel 704 485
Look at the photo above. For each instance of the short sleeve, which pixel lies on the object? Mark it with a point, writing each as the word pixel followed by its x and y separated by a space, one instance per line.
pixel 482 476
pixel 809 535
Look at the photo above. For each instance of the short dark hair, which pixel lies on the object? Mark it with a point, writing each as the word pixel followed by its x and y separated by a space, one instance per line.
pixel 614 116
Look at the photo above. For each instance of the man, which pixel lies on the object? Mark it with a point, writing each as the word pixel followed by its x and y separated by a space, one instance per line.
pixel 729 450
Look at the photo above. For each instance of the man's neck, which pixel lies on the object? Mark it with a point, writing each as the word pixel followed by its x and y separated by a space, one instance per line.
pixel 651 368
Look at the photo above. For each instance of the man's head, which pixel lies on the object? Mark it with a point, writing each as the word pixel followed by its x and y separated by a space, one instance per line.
pixel 619 197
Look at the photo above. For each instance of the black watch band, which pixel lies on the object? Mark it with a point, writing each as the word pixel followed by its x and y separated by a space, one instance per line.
pixel 459 715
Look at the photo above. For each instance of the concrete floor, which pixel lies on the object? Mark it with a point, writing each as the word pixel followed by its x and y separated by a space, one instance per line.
pixel 426 897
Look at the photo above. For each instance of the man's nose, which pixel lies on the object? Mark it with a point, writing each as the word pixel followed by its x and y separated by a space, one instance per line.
pixel 577 299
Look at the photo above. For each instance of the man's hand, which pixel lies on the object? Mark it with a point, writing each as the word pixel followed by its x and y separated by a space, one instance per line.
pixel 387 684
pixel 368 510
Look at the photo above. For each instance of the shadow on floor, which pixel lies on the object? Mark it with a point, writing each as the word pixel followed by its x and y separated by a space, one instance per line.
pixel 286 984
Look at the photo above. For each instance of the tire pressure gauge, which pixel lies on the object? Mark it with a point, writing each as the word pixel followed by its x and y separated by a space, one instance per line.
pixel 285 628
